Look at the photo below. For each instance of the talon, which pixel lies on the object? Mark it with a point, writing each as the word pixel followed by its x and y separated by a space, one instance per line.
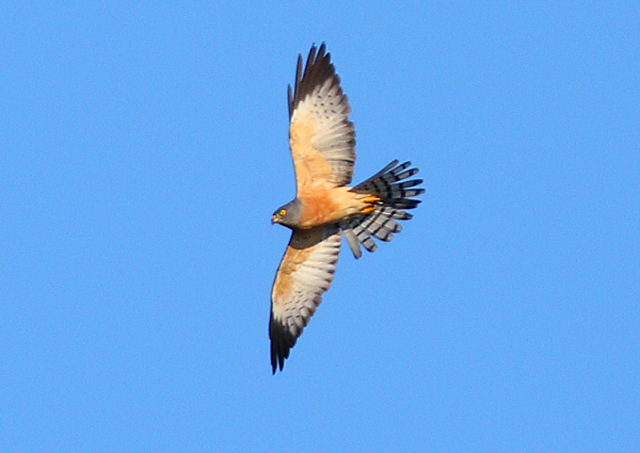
pixel 368 209
pixel 372 198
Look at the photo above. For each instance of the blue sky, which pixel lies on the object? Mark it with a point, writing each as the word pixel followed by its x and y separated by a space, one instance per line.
pixel 144 148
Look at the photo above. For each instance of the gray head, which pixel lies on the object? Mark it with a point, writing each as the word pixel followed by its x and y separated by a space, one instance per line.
pixel 288 215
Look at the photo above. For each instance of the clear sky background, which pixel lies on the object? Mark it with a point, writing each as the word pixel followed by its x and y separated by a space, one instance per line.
pixel 143 148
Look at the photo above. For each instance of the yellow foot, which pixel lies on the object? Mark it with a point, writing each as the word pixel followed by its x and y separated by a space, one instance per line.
pixel 372 198
pixel 368 209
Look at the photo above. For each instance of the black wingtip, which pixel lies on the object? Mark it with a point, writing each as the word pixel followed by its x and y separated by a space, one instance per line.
pixel 277 359
pixel 315 70
pixel 274 367
pixel 281 343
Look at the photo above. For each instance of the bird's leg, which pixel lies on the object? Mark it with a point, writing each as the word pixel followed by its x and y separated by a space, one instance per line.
pixel 370 199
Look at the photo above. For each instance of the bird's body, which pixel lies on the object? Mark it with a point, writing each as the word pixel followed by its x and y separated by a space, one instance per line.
pixel 328 206
pixel 322 141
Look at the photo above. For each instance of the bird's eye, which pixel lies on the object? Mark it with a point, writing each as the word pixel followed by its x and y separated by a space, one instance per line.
pixel 283 212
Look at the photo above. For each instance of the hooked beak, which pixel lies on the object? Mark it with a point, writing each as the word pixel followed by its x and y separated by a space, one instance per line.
pixel 274 219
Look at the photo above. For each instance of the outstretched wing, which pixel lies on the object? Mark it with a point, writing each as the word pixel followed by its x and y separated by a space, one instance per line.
pixel 305 273
pixel 321 137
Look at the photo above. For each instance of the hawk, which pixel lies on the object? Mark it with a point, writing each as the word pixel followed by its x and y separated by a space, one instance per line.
pixel 322 142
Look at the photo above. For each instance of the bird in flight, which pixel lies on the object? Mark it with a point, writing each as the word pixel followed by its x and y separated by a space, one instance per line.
pixel 322 142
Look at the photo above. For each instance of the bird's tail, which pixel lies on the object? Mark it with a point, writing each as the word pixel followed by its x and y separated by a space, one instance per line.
pixel 394 195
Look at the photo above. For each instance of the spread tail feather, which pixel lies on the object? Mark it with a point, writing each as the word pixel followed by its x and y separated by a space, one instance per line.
pixel 395 196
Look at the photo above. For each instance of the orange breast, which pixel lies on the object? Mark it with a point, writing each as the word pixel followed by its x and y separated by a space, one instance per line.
pixel 328 206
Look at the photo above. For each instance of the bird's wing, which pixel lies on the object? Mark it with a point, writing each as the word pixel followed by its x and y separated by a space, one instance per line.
pixel 305 273
pixel 321 137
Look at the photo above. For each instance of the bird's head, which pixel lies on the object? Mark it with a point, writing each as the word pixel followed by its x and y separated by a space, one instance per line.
pixel 287 215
